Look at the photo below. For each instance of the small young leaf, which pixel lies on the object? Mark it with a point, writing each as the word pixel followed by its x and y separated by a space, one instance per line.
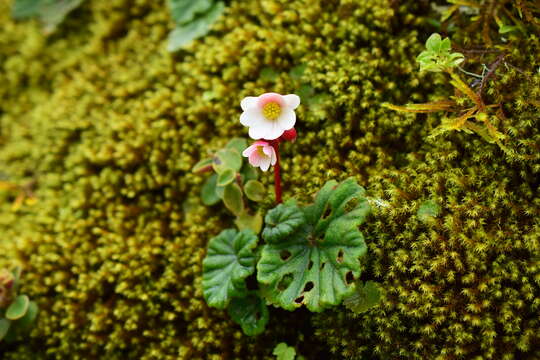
pixel 184 11
pixel 312 254
pixel 238 144
pixel 202 165
pixel 200 26
pixel 428 210
pixel 365 297
pixel 230 259
pixel 226 177
pixel 255 190
pixel 18 308
pixel 227 159
pixel 26 321
pixel 433 43
pixel 284 352
pixel 4 327
pixel 250 313
pixel 247 221
pixel 232 198
pixel 209 194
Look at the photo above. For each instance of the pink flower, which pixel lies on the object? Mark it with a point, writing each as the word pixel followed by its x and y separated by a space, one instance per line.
pixel 261 154
pixel 269 115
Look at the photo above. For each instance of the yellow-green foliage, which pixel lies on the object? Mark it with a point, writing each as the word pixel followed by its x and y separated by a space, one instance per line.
pixel 108 125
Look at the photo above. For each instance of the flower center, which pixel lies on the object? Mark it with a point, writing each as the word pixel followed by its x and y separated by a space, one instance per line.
pixel 271 110
pixel 261 152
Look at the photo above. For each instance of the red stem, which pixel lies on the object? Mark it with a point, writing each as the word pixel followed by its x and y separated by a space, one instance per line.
pixel 277 176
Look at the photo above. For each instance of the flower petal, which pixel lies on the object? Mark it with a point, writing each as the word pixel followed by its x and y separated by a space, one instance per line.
pixel 255 159
pixel 248 102
pixel 292 100
pixel 265 164
pixel 287 119
pixel 261 130
pixel 274 132
pixel 249 150
pixel 252 117
pixel 273 157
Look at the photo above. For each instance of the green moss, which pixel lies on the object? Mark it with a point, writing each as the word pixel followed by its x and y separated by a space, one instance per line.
pixel 108 124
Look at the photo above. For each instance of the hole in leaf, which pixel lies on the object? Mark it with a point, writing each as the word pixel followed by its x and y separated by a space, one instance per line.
pixel 310 265
pixel 258 316
pixel 299 299
pixel 327 212
pixel 284 254
pixel 285 281
pixel 322 265
pixel 351 205
pixel 339 258
pixel 309 286
pixel 349 277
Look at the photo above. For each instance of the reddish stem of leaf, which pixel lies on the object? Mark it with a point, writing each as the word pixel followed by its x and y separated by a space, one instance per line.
pixel 277 169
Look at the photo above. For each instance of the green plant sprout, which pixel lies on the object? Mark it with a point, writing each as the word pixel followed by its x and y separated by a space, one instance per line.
pixel 311 257
pixel 282 351
pixel 474 116
pixel 193 20
pixel 17 312
pixel 232 179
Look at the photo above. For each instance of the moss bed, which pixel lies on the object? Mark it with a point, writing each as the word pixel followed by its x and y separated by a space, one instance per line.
pixel 103 126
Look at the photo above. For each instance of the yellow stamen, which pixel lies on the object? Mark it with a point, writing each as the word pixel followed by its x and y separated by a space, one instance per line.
pixel 271 111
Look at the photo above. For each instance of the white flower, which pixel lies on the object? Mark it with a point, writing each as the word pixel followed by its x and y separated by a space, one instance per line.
pixel 261 154
pixel 269 115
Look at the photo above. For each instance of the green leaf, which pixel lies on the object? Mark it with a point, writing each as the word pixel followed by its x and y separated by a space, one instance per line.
pixel 53 12
pixel 282 221
pixel 248 173
pixel 184 11
pixel 428 210
pixel 247 221
pixel 238 144
pixel 312 254
pixel 232 198
pixel 254 190
pixel 4 327
pixel 226 159
pixel 250 313
pixel 50 12
pixel 226 177
pixel 209 194
pixel 433 43
pixel 26 321
pixel 23 9
pixel 200 26
pixel 202 165
pixel 18 307
pixel 503 29
pixel 284 352
pixel 365 297
pixel 229 260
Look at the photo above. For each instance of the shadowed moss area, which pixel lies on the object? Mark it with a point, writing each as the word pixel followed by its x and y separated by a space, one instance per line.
pixel 104 125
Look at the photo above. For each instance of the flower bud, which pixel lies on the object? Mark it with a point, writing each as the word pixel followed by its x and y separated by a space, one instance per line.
pixel 289 135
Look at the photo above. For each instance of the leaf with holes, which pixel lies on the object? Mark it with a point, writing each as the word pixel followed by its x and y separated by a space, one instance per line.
pixel 312 254
pixel 250 313
pixel 230 259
